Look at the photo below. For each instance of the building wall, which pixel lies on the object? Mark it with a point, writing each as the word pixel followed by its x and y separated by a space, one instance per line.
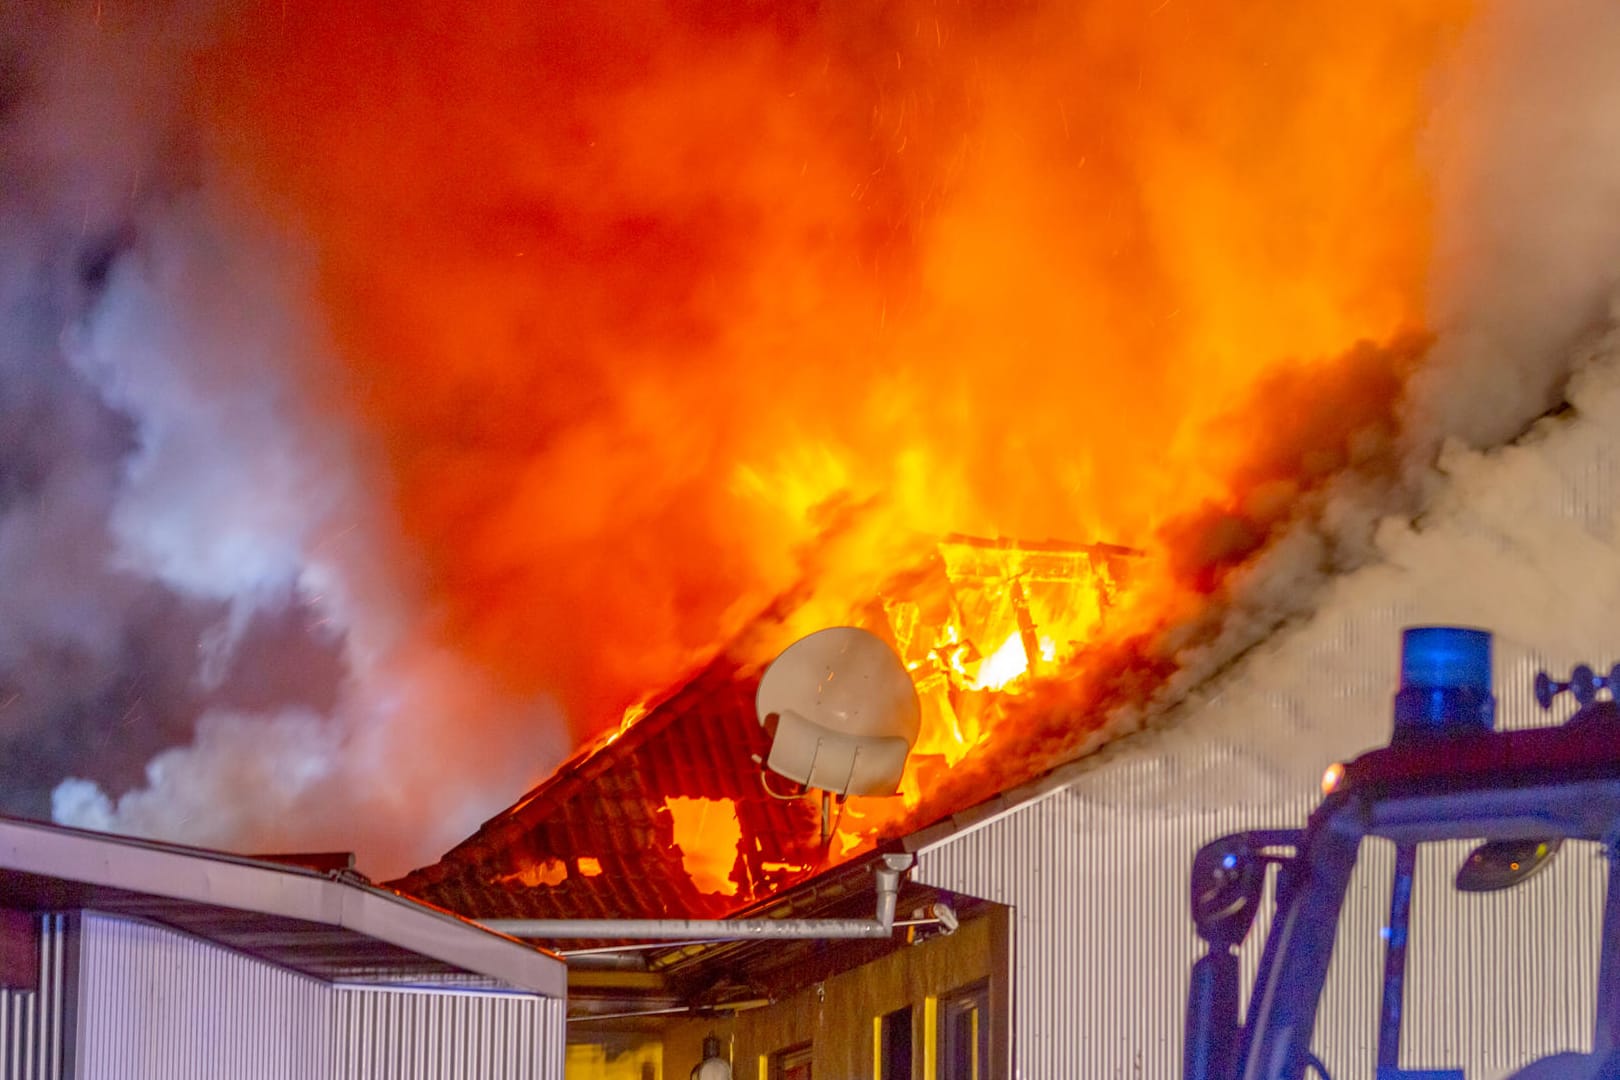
pixel 31 1020
pixel 836 1016
pixel 156 1003
pixel 1096 875
pixel 594 1056
pixel 428 1035
pixel 153 1003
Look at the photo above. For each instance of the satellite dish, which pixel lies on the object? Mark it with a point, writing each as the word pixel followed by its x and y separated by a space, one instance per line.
pixel 842 711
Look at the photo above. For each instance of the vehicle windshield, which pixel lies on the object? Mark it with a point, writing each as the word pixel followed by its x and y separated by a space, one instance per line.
pixel 1487 963
pixel 1489 981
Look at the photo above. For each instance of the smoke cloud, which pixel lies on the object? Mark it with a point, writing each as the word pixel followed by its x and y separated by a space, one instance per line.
pixel 1526 263
pixel 1527 253
pixel 1469 480
pixel 210 633
pixel 390 397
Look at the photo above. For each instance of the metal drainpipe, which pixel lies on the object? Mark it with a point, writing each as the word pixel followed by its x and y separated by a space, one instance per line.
pixel 880 926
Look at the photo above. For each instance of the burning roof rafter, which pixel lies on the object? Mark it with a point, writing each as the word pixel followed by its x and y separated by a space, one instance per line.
pixel 977 621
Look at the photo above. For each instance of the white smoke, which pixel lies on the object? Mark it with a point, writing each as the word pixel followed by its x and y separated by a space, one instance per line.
pixel 1526 158
pixel 85 649
pixel 201 337
pixel 1495 518
pixel 1522 540
pixel 244 488
pixel 1502 520
pixel 235 484
pixel 66 170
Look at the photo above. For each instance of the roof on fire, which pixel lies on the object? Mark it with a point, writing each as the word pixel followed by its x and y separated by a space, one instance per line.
pixel 596 839
pixel 602 820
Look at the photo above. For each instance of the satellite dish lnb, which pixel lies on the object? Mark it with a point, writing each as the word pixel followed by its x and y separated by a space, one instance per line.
pixel 846 713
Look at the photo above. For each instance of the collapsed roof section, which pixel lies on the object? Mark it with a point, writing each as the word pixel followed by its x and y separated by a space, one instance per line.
pixel 669 815
pixel 598 839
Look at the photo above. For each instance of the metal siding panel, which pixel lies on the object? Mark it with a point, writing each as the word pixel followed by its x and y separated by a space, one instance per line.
pixel 553 1037
pixel 1095 872
pixel 421 1034
pixel 31 1020
pixel 160 1004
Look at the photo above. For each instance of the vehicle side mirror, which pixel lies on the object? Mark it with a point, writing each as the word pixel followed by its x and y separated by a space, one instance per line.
pixel 1228 880
pixel 1502 864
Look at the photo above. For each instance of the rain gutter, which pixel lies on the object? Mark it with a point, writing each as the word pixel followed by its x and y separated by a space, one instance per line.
pixel 881 925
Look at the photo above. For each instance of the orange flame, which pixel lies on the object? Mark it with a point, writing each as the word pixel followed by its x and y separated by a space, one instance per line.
pixel 545 873
pixel 658 309
pixel 707 832
pixel 966 626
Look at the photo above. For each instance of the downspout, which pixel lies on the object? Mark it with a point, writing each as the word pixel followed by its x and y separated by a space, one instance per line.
pixel 881 925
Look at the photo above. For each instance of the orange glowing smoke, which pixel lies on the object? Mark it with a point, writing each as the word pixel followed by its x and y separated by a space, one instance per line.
pixel 707 832
pixel 656 308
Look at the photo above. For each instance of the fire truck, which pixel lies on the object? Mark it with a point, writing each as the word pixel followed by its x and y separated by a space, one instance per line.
pixel 1446 776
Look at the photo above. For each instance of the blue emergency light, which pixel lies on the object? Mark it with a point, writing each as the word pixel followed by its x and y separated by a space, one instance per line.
pixel 1445 683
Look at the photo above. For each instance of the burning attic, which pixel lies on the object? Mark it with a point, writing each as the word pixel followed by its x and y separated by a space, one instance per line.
pixel 1077 858
pixel 643 821
pixel 673 817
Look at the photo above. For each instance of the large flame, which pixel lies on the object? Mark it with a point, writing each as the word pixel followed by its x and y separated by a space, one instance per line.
pixel 978 625
pixel 658 309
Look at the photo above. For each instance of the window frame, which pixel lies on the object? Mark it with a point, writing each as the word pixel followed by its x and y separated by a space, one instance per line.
pixel 887 1064
pixel 793 1058
pixel 973 1000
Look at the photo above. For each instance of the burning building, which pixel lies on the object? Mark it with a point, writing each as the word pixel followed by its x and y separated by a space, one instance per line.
pixel 437 386
pixel 679 786
pixel 672 816
pixel 1066 885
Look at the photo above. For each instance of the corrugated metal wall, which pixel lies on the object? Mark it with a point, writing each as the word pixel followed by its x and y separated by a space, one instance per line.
pixel 1096 874
pixel 450 1035
pixel 157 1004
pixel 1102 939
pixel 31 1020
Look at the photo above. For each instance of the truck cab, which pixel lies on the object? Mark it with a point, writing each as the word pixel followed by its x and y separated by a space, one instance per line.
pixel 1514 802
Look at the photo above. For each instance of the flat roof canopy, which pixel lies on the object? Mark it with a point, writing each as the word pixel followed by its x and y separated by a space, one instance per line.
pixel 334 928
